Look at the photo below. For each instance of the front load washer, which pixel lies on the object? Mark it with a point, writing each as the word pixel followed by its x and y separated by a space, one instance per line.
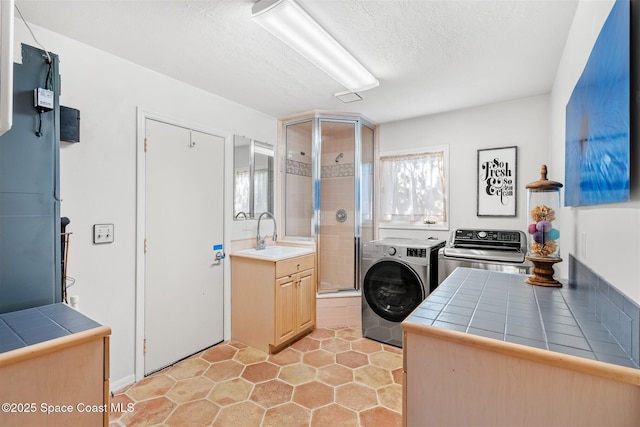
pixel 397 275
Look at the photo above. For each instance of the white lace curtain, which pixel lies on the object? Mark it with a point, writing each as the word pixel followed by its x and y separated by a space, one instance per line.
pixel 413 188
pixel 261 193
pixel 241 191
pixel 243 188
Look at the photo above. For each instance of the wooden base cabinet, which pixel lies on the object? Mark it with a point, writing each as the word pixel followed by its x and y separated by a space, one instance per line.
pixel 60 382
pixel 272 302
pixel 465 380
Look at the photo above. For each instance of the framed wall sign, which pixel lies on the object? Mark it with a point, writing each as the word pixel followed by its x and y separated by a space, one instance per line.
pixel 497 181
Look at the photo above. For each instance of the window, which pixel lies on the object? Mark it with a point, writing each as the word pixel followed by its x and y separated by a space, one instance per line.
pixel 414 189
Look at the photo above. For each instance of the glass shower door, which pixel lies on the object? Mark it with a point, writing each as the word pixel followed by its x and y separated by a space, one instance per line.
pixel 366 196
pixel 298 181
pixel 337 211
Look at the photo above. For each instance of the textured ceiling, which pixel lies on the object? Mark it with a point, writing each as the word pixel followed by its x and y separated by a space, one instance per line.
pixel 429 56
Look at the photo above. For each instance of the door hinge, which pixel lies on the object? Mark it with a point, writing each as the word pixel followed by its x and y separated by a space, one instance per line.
pixel 145 246
pixel 144 350
pixel 145 144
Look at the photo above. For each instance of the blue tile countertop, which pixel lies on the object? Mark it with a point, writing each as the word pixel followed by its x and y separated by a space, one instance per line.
pixel 503 307
pixel 35 325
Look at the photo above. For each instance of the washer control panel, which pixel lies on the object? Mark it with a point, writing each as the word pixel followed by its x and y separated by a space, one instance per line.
pixel 492 235
pixel 397 248
pixel 494 239
pixel 417 252
pixel 408 252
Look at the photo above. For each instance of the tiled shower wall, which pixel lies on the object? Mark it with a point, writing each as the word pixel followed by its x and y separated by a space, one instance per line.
pixel 336 310
pixel 337 255
pixel 619 314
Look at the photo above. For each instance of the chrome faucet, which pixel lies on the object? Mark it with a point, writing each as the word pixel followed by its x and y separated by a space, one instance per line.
pixel 260 244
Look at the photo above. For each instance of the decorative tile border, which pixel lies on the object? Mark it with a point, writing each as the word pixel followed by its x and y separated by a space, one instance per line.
pixel 295 167
pixel 619 314
pixel 298 168
pixel 338 170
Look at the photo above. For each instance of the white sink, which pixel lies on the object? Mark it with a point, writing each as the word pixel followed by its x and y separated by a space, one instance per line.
pixel 275 253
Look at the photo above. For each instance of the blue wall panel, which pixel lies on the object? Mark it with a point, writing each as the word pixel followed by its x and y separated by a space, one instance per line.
pixel 30 273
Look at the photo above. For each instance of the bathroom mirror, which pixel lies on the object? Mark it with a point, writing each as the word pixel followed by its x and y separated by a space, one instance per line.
pixel 252 178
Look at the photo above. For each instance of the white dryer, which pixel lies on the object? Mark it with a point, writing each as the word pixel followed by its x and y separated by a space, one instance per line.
pixel 397 275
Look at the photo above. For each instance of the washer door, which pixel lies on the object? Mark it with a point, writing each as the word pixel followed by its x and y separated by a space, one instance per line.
pixel 392 289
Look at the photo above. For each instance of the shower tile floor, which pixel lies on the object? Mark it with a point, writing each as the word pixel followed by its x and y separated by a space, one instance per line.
pixel 331 377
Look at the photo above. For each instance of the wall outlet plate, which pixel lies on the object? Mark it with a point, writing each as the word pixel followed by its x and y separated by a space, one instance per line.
pixel 102 233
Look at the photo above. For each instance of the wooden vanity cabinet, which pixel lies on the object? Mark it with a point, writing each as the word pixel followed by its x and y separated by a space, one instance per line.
pixel 295 305
pixel 272 302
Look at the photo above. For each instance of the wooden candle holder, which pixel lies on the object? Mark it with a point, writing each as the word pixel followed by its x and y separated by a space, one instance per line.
pixel 543 272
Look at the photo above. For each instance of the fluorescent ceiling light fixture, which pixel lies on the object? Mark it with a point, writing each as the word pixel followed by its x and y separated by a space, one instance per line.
pixel 291 24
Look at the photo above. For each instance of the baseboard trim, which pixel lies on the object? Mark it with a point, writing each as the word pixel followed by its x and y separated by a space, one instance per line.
pixel 117 385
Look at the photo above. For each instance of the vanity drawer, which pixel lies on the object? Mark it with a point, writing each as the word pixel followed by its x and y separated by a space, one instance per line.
pixel 294 265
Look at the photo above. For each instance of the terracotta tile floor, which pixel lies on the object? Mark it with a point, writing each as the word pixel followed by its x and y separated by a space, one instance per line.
pixel 331 377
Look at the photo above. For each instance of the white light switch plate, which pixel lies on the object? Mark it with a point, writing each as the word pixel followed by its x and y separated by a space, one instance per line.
pixel 102 233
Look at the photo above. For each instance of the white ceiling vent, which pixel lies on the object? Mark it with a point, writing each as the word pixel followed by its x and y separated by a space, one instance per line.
pixel 348 97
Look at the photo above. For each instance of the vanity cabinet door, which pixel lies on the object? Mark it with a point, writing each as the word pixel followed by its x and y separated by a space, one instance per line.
pixel 285 319
pixel 306 300
pixel 295 307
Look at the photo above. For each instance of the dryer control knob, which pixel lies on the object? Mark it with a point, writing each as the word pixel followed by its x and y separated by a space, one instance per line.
pixel 392 251
pixel 482 234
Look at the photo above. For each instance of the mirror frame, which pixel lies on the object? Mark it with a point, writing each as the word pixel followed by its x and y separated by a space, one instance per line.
pixel 255 148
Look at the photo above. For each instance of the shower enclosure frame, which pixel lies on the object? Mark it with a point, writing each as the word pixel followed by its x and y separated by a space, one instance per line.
pixel 317 119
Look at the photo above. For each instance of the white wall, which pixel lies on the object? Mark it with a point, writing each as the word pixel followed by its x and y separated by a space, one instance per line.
pixel 98 175
pixel 604 237
pixel 523 123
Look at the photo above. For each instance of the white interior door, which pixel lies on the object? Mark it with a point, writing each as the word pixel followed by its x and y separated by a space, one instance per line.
pixel 183 302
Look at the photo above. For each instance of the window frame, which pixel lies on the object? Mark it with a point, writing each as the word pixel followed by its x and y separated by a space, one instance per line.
pixel 416 225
